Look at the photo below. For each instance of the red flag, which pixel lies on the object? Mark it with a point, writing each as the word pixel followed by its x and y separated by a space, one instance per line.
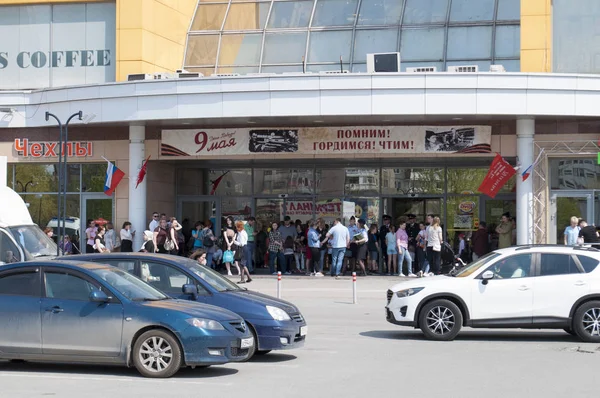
pixel 498 175
pixel 142 173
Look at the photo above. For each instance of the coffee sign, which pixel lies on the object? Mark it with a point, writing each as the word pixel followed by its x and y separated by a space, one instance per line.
pixel 56 59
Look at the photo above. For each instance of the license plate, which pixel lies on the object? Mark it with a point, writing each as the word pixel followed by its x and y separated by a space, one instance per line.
pixel 303 330
pixel 247 343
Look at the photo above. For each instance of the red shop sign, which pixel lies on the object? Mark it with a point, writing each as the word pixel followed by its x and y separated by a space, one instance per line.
pixel 50 149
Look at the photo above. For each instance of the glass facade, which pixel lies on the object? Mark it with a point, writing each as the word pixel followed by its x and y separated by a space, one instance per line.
pixel 275 36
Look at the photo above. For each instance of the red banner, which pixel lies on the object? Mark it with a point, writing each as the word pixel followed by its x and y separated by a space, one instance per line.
pixel 498 175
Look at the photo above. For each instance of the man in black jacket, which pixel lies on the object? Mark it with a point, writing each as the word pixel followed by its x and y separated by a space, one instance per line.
pixel 383 231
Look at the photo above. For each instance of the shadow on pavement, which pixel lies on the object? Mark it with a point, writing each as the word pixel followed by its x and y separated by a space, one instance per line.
pixel 272 358
pixel 108 370
pixel 470 335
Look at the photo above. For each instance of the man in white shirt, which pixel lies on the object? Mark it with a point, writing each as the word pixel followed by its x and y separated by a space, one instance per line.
pixel 154 223
pixel 340 241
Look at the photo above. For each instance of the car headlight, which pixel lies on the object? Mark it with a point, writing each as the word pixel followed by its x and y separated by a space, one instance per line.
pixel 278 314
pixel 206 324
pixel 409 292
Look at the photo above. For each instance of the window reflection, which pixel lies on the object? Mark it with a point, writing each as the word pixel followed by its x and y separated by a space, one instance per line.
pixel 408 180
pixel 290 14
pixel 330 181
pixel 209 17
pixel 38 177
pixel 240 49
pixel 425 11
pixel 284 47
pixel 422 44
pixel 361 181
pixel 335 13
pixel 374 41
pixel 284 181
pixel 202 50
pixel 43 207
pixel 229 182
pixel 93 177
pixel 469 42
pixel 574 174
pixel 472 10
pixel 380 12
pixel 247 16
pixel 329 46
pixel 508 41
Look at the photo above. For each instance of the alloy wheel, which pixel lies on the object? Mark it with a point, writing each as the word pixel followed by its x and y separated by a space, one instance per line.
pixel 591 321
pixel 156 354
pixel 440 320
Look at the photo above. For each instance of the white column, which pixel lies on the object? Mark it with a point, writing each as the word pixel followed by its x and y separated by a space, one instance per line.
pixel 137 197
pixel 525 134
pixel 3 171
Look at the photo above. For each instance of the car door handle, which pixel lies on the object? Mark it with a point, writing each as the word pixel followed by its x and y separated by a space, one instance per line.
pixel 580 283
pixel 55 310
pixel 523 288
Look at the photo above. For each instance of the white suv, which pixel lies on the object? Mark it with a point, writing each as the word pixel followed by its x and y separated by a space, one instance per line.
pixel 529 287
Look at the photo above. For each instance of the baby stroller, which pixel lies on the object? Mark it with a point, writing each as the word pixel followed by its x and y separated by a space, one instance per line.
pixel 449 259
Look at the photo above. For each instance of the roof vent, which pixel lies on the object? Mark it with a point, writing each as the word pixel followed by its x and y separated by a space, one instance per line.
pixel 422 69
pixel 225 74
pixel 187 75
pixel 333 72
pixel 464 69
pixel 383 62
pixel 139 76
pixel 164 76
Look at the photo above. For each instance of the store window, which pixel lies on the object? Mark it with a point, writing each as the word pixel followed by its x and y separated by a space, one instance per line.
pixel 93 177
pixel 574 174
pixel 268 211
pixel 37 177
pixel 191 181
pixel 362 208
pixel 238 208
pixel 284 181
pixel 330 182
pixel 229 183
pixel 462 217
pixel 405 181
pixel 467 181
pixel 361 181
pixel 329 209
pixel 44 207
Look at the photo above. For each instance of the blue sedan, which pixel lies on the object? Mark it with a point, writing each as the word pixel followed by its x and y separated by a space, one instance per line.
pixel 68 311
pixel 275 324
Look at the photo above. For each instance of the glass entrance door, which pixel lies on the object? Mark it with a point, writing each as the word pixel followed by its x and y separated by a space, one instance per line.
pixel 420 207
pixel 97 207
pixel 200 208
pixel 563 206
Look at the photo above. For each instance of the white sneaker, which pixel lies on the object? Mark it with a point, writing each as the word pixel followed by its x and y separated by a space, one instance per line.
pixel 430 274
pixel 420 274
pixel 229 273
pixel 402 275
pixel 411 275
pixel 288 273
pixel 319 274
pixel 274 273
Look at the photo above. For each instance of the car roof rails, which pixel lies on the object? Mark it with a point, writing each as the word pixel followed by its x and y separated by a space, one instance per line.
pixel 586 248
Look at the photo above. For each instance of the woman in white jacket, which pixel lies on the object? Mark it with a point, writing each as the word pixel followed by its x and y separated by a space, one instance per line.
pixel 241 240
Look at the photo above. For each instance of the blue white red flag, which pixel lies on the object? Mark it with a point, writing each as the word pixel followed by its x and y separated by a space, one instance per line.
pixel 525 174
pixel 113 177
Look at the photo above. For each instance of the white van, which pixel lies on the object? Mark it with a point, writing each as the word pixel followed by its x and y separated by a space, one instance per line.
pixel 72 226
pixel 20 238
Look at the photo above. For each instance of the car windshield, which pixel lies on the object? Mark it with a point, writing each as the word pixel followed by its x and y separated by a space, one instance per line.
pixel 34 242
pixel 128 285
pixel 473 267
pixel 214 279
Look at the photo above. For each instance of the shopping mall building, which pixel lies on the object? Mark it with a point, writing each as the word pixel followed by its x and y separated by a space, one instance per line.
pixel 287 117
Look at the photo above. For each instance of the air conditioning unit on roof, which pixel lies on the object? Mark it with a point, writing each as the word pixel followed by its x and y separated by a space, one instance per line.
pixel 333 72
pixel 164 76
pixel 422 69
pixel 464 69
pixel 497 68
pixel 383 62
pixel 188 75
pixel 225 74
pixel 140 76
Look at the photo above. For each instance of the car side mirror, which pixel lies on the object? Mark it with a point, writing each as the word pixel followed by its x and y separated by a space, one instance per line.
pixel 98 296
pixel 190 289
pixel 487 276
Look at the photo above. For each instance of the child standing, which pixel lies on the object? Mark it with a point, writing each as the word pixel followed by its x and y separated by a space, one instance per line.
pixel 392 250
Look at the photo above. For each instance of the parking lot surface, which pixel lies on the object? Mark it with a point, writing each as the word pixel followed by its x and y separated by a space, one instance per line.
pixel 351 351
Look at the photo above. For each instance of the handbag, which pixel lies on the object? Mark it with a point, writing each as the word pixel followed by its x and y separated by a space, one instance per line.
pixel 169 245
pixel 207 241
pixel 228 256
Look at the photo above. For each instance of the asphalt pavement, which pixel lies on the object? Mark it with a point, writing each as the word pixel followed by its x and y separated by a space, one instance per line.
pixel 351 351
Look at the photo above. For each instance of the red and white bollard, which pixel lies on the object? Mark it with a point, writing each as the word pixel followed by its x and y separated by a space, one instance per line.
pixel 354 299
pixel 279 284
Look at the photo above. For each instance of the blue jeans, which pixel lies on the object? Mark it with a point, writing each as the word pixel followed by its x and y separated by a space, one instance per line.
pixel 280 261
pixel 423 263
pixel 402 255
pixel 209 258
pixel 249 255
pixel 337 259
pixel 322 259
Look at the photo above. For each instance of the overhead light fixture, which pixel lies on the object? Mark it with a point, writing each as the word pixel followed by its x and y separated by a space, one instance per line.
pixel 185 123
pixel 386 120
pixel 457 118
pixel 251 122
pixel 88 117
pixel 318 121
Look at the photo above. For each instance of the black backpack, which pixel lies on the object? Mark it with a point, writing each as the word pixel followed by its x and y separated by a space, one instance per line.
pixel 206 240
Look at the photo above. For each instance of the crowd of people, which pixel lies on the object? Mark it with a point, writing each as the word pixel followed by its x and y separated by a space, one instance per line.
pixel 405 248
